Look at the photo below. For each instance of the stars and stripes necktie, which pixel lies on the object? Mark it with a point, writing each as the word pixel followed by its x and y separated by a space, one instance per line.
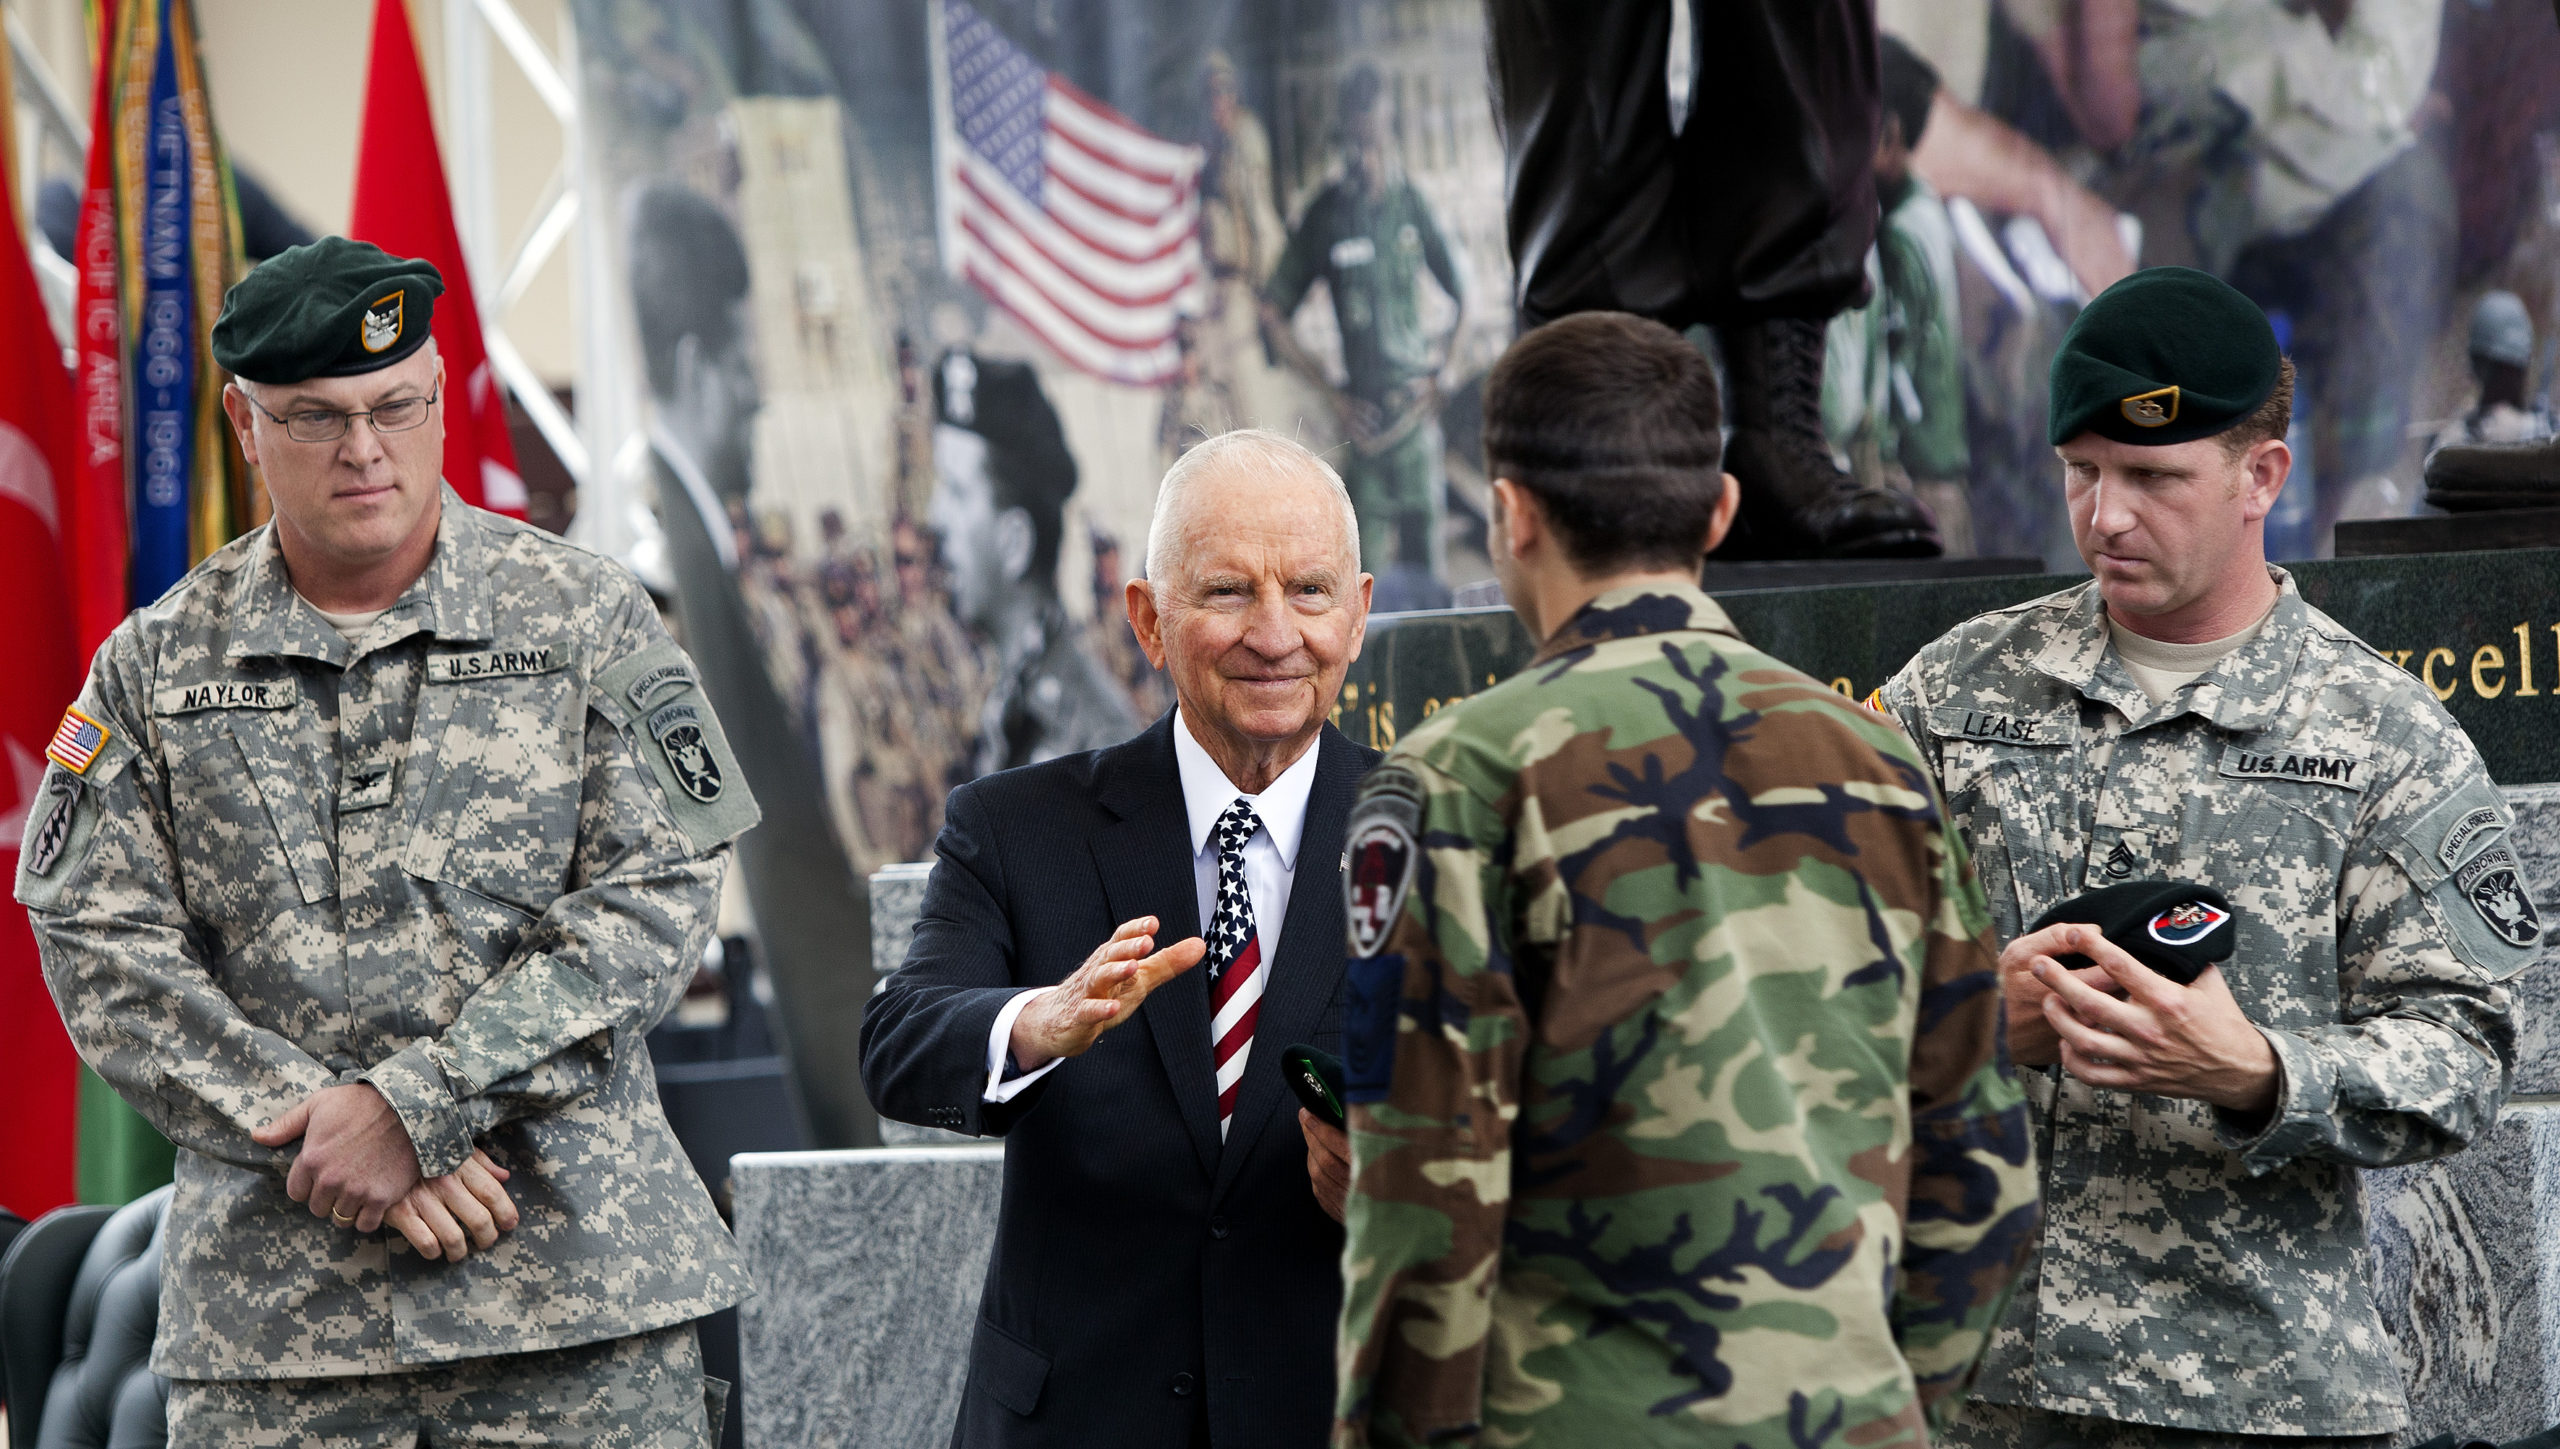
pixel 1235 960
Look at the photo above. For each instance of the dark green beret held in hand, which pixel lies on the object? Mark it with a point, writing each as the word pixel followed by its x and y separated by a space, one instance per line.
pixel 2168 355
pixel 335 308
pixel 2175 927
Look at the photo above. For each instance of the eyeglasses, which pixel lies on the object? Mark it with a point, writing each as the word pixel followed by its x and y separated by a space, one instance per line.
pixel 328 425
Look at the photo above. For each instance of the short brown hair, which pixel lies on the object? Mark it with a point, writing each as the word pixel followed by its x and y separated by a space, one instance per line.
pixel 1611 421
pixel 2273 419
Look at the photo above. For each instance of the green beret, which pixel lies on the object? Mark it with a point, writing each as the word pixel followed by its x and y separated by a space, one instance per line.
pixel 335 308
pixel 2168 355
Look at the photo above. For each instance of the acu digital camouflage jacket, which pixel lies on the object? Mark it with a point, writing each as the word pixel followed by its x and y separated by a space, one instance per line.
pixel 1681 1110
pixel 470 858
pixel 2199 1271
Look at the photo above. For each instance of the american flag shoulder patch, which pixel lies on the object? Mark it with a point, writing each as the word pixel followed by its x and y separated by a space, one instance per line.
pixel 76 742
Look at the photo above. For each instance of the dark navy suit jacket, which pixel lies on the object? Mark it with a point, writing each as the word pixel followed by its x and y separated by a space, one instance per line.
pixel 1148 1283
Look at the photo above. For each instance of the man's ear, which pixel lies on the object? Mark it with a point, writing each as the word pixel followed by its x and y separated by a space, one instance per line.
pixel 1728 503
pixel 1518 522
pixel 1144 621
pixel 1361 593
pixel 2262 478
pixel 235 406
pixel 1015 537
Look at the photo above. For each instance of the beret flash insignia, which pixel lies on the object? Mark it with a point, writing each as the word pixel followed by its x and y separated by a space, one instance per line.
pixel 2186 923
pixel 2155 409
pixel 382 323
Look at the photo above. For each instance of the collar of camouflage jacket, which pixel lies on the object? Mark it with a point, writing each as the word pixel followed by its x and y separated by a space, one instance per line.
pixel 2241 694
pixel 450 600
pixel 1636 609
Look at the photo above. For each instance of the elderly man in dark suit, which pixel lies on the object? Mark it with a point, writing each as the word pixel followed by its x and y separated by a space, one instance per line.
pixel 1166 1269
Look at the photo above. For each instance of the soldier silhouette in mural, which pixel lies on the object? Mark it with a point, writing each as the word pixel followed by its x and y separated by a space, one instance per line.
pixel 1369 236
pixel 689 285
pixel 1002 476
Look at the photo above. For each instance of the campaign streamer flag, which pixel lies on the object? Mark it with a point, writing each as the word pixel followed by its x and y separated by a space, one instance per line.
pixel 180 252
pixel 176 470
pixel 94 538
pixel 37 656
pixel 1061 210
pixel 402 206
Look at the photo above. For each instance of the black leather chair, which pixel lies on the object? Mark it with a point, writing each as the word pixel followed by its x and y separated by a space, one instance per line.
pixel 79 1299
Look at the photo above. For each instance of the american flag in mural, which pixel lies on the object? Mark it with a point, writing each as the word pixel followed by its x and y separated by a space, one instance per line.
pixel 1061 210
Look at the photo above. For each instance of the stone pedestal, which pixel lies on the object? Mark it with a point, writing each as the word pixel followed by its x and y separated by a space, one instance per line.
pixel 897 898
pixel 868 1266
pixel 2466 1268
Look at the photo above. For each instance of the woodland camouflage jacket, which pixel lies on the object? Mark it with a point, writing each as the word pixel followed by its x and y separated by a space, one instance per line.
pixel 2199 1271
pixel 1681 1110
pixel 470 858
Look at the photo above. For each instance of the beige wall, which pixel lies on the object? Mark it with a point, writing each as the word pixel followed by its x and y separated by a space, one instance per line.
pixel 288 94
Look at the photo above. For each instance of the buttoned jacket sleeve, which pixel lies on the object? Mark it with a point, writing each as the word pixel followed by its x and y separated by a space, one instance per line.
pixel 612 955
pixel 1434 1040
pixel 123 960
pixel 925 1035
pixel 1973 1208
pixel 2423 1053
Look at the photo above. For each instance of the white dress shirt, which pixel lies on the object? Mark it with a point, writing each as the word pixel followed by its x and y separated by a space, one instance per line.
pixel 1270 868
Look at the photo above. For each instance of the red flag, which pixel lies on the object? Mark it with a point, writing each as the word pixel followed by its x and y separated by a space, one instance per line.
pixel 403 207
pixel 37 658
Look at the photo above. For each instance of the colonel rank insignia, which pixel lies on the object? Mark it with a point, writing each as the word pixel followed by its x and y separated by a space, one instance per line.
pixel 2155 409
pixel 382 323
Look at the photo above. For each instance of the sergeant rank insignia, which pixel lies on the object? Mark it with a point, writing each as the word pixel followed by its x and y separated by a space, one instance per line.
pixel 2187 923
pixel 2156 409
pixel 382 323
pixel 678 731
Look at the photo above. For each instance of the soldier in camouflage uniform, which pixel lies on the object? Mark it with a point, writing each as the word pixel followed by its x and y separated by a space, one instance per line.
pixel 370 909
pixel 1370 236
pixel 1681 1114
pixel 2188 716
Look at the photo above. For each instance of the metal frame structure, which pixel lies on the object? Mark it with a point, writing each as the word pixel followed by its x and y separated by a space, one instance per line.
pixel 59 119
pixel 470 151
pixel 597 446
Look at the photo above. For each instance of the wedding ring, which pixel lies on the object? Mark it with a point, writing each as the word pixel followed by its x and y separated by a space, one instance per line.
pixel 341 1218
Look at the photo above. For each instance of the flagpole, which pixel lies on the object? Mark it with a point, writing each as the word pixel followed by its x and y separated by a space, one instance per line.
pixel 946 206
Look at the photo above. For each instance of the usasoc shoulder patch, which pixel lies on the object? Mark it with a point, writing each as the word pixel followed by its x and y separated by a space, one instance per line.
pixel 2493 884
pixel 680 741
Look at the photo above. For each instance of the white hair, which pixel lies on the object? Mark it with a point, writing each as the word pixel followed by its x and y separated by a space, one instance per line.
pixel 1252 447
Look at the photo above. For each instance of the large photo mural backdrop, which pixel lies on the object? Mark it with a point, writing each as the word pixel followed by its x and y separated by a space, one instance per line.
pixel 928 295
pixel 924 295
